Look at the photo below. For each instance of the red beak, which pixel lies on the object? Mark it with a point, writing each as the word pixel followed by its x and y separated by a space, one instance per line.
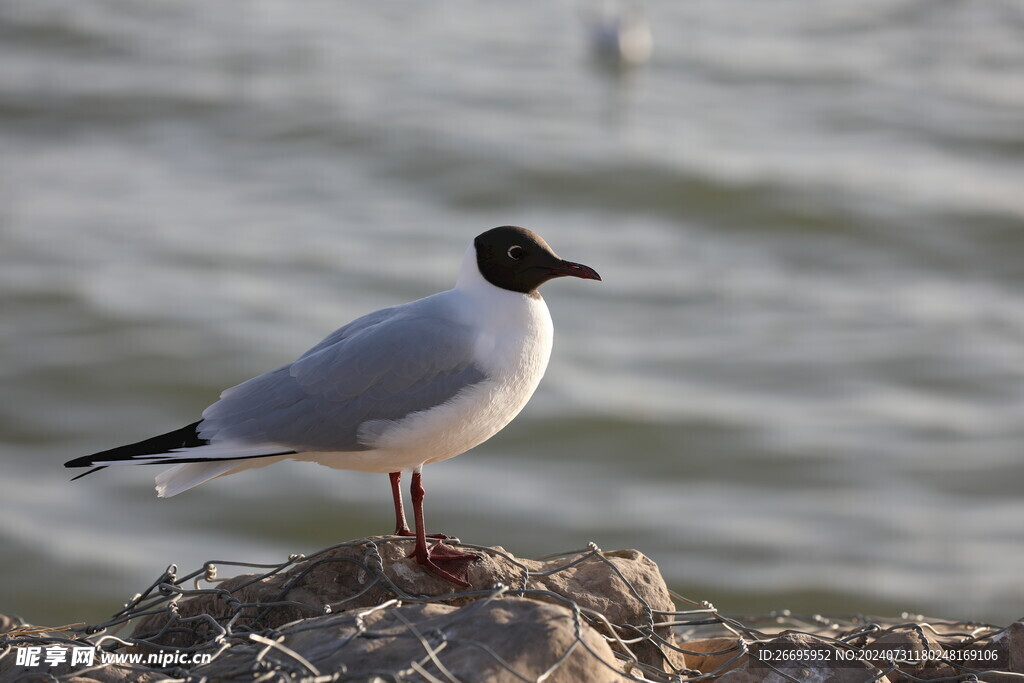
pixel 575 270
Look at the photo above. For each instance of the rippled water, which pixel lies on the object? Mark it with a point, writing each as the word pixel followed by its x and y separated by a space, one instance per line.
pixel 801 383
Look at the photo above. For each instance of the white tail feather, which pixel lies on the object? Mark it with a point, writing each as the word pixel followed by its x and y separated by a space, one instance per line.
pixel 190 474
pixel 183 477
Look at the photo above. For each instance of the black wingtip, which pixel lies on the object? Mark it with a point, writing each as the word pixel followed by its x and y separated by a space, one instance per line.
pixel 171 443
pixel 94 469
pixel 186 437
pixel 84 461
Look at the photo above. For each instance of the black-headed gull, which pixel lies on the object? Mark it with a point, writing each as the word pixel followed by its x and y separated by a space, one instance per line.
pixel 391 391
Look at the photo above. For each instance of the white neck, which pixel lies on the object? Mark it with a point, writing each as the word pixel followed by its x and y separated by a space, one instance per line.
pixel 469 272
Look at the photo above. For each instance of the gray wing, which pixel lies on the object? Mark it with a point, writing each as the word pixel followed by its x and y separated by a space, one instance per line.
pixel 382 366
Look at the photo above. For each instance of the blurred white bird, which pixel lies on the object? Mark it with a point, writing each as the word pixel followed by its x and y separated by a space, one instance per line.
pixel 619 33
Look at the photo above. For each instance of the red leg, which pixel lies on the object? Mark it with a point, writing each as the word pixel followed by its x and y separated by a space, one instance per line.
pixel 402 526
pixel 439 559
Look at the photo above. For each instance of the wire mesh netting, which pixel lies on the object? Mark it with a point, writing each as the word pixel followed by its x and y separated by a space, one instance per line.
pixel 363 611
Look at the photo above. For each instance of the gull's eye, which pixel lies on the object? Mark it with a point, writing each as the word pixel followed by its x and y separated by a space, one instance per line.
pixel 515 252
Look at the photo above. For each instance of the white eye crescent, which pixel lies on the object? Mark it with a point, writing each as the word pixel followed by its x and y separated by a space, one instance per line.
pixel 515 252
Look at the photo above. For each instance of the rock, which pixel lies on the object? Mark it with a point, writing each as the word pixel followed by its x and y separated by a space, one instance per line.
pixel 116 673
pixel 821 663
pixel 1002 652
pixel 365 610
pixel 1015 646
pixel 624 586
pixel 42 638
pixel 595 583
pixel 9 623
pixel 913 643
pixel 499 640
pixel 715 655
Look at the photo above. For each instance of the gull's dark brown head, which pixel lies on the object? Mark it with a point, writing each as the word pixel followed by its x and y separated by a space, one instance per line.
pixel 520 260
